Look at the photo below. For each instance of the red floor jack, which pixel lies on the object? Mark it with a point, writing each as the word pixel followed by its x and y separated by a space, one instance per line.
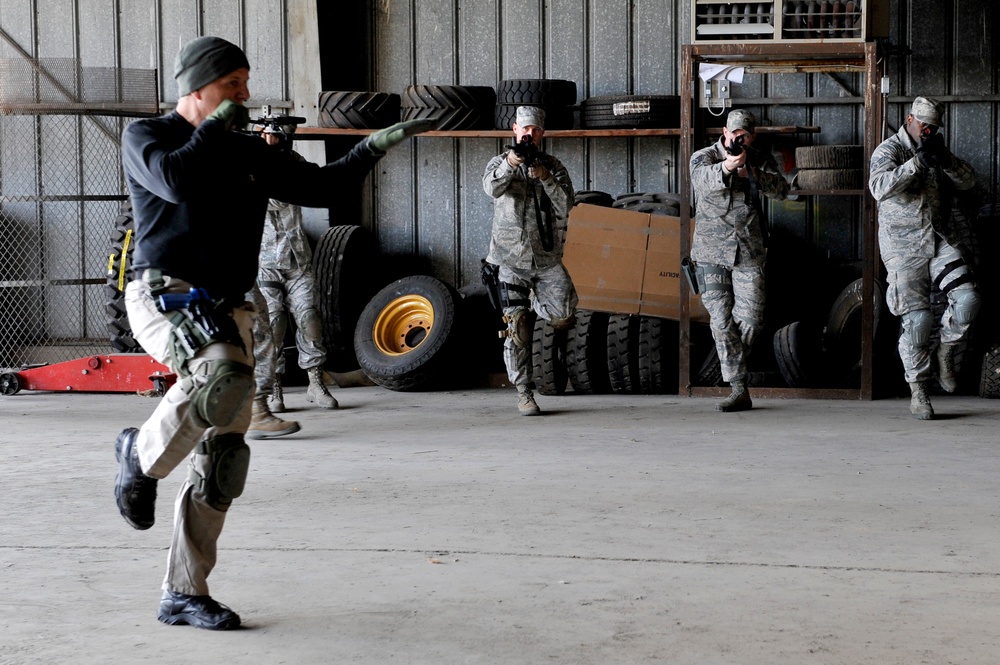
pixel 110 373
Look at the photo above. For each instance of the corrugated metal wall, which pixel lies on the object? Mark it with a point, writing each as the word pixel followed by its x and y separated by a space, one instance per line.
pixel 146 34
pixel 61 183
pixel 429 199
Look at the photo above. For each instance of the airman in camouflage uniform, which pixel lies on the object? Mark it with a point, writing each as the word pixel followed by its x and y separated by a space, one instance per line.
pixel 912 173
pixel 285 276
pixel 263 423
pixel 729 245
pixel 530 215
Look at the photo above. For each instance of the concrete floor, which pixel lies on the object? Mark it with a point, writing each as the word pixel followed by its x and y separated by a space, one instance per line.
pixel 444 528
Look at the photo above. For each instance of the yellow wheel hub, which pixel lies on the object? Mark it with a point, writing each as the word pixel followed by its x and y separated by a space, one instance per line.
pixel 403 324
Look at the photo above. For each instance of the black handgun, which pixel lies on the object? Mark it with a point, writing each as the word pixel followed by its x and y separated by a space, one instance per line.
pixel 491 279
pixel 691 272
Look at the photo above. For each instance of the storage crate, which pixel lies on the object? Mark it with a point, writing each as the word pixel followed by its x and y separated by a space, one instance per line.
pixel 720 21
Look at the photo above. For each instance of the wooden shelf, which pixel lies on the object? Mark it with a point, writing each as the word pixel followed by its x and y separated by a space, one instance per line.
pixel 320 133
pixel 780 58
pixel 314 133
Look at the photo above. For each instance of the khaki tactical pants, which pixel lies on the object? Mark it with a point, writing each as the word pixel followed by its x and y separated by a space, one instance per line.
pixel 170 435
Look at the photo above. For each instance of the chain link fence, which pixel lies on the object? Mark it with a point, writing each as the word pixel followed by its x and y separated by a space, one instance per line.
pixel 61 188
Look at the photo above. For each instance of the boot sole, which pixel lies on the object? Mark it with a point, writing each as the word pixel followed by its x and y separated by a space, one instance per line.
pixel 260 434
pixel 140 526
pixel 188 620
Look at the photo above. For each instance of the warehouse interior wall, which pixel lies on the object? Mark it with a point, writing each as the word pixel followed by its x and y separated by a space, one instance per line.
pixel 425 200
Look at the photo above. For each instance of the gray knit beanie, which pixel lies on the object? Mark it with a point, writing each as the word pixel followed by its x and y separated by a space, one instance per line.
pixel 204 59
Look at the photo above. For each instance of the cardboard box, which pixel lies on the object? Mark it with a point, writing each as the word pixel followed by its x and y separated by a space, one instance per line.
pixel 627 262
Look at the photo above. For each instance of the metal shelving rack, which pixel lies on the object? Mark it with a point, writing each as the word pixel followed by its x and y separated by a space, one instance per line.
pixel 760 57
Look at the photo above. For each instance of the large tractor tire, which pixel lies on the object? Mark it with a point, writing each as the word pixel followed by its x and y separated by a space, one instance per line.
pixel 623 354
pixel 406 334
pixel 657 355
pixel 358 110
pixel 452 107
pixel 587 353
pixel 119 274
pixel 548 359
pixel 989 383
pixel 342 266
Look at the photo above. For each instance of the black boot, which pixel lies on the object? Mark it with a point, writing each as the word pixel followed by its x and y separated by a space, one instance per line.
pixel 180 609
pixel 135 492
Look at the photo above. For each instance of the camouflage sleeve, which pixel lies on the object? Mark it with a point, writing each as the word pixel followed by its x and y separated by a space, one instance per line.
pixel 961 173
pixel 891 172
pixel 559 189
pixel 770 180
pixel 706 172
pixel 498 175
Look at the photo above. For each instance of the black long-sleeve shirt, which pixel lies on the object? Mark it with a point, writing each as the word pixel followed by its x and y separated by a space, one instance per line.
pixel 199 196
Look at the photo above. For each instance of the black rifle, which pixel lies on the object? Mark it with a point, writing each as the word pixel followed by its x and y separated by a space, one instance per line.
pixel 275 124
pixel 529 152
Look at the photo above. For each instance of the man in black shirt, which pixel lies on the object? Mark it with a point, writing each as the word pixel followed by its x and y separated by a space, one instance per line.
pixel 199 193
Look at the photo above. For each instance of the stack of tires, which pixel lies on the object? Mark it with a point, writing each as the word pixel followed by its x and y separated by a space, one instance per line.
pixel 602 353
pixel 829 167
pixel 556 97
pixel 654 203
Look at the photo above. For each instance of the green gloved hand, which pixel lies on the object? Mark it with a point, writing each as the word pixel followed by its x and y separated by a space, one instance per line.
pixel 383 139
pixel 235 116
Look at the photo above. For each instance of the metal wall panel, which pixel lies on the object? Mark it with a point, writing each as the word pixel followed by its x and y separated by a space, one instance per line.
pixel 61 183
pixel 608 47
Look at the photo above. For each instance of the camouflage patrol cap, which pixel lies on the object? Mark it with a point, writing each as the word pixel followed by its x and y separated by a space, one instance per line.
pixel 927 111
pixel 527 116
pixel 741 119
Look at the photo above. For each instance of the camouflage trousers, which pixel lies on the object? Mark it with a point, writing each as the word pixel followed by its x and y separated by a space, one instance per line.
pixel 295 289
pixel 553 297
pixel 736 310
pixel 910 282
pixel 264 350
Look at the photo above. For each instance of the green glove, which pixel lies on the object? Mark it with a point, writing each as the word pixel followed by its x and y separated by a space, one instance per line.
pixel 235 116
pixel 383 139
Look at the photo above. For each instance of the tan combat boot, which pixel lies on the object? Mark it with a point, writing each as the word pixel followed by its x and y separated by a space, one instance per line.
pixel 276 401
pixel 265 425
pixel 738 399
pixel 920 404
pixel 317 391
pixel 947 376
pixel 526 402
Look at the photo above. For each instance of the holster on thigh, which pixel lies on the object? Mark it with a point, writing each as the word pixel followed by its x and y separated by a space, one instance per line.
pixel 713 278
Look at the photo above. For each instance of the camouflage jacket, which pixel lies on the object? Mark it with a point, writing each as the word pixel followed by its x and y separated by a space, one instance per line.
pixel 910 198
pixel 516 241
pixel 725 219
pixel 284 245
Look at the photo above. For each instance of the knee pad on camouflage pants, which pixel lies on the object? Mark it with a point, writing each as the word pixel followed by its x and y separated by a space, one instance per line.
pixel 520 327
